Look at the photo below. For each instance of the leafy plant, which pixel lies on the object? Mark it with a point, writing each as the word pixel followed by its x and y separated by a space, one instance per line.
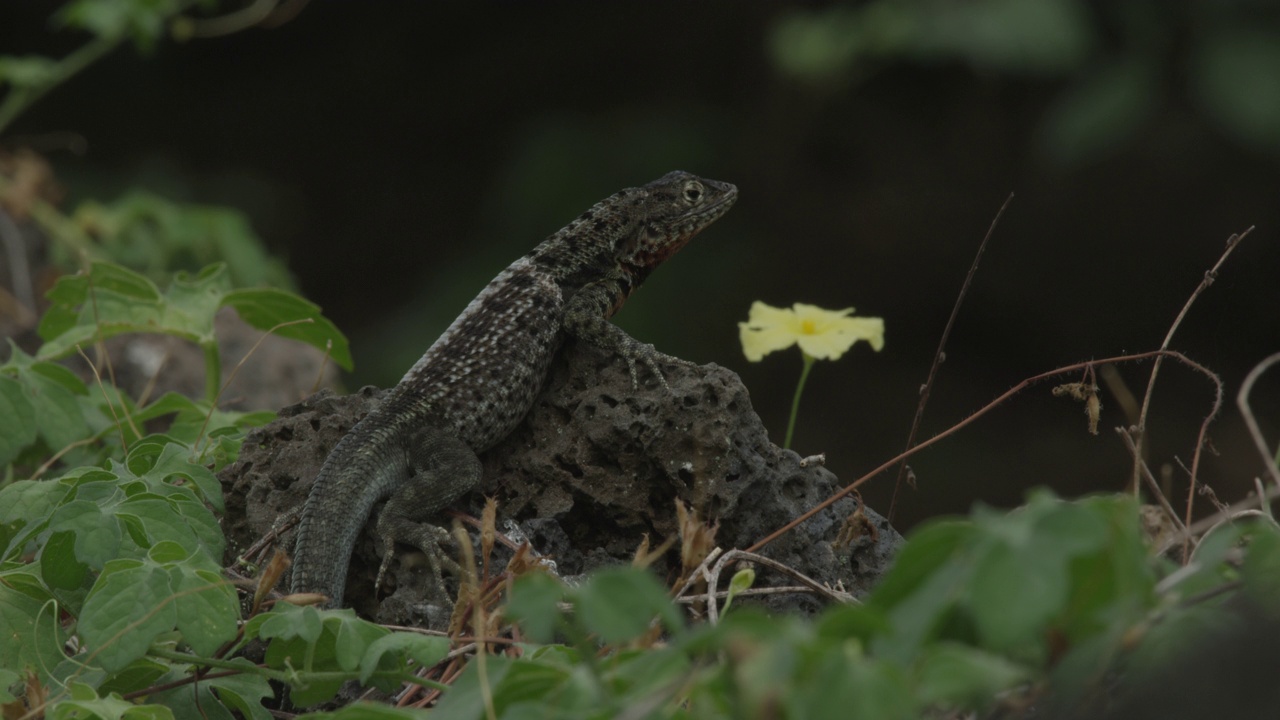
pixel 48 409
pixel 110 300
pixel 112 585
pixel 110 22
pixel 156 237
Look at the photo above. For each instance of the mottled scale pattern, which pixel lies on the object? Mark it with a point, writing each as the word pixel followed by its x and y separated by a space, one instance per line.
pixel 479 379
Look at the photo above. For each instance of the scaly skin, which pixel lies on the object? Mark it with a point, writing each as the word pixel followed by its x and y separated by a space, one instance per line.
pixel 476 383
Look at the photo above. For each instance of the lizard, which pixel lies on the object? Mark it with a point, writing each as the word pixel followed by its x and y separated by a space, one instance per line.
pixel 419 449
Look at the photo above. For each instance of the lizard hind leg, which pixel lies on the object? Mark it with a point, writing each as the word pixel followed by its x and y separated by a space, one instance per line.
pixel 443 469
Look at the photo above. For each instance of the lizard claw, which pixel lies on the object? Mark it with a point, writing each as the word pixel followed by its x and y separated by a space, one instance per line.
pixel 430 539
pixel 651 357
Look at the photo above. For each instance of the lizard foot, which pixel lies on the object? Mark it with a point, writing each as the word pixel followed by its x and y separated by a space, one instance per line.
pixel 650 357
pixel 430 539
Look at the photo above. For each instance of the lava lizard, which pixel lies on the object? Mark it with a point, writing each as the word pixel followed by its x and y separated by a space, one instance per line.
pixel 475 384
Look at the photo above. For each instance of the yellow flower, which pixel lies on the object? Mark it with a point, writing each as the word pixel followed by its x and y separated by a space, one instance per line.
pixel 821 334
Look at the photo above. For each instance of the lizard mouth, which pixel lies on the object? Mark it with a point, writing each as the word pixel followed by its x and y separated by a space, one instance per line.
pixel 663 242
pixel 698 220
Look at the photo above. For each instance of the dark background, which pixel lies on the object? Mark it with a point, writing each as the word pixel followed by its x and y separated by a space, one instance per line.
pixel 399 154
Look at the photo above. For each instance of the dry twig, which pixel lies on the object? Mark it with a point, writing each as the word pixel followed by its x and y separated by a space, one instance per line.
pixel 940 355
pixel 1251 422
pixel 1077 367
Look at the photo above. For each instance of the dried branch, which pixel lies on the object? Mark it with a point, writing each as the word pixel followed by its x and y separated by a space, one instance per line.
pixel 940 355
pixel 1077 367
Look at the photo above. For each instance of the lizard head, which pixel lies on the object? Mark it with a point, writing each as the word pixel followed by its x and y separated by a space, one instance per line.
pixel 676 207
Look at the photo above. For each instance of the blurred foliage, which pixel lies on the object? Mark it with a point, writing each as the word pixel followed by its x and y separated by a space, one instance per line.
pixel 47 409
pixel 158 237
pixel 142 21
pixel 110 300
pixel 141 231
pixel 1119 63
pixel 110 22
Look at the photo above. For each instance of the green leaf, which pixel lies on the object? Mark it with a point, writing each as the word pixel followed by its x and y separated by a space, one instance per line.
pixel 372 711
pixel 265 308
pixel 354 636
pixel 1233 74
pixel 953 675
pixel 618 604
pixel 29 625
pixel 534 603
pixel 141 20
pixel 27 71
pixel 312 640
pixel 464 701
pixel 741 580
pixel 845 684
pixel 159 461
pixel 17 420
pixel 207 609
pixel 243 692
pixel 8 678
pixel 1014 594
pixel 63 410
pixel 25 507
pixel 931 547
pixel 97 537
pixel 128 608
pixel 85 704
pixel 426 650
pixel 197 420
pixel 852 622
pixel 111 300
pixel 1011 36
pixel 288 622
pixel 140 674
pixel 59 567
pixel 193 700
pixel 1100 112
pixel 1261 570
pixel 157 237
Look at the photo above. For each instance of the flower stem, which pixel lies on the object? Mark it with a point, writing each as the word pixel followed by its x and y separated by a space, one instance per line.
pixel 795 401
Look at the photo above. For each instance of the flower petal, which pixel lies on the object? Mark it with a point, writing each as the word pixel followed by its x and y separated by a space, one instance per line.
pixel 763 316
pixel 767 329
pixel 758 342
pixel 839 334
pixel 818 314
pixel 821 333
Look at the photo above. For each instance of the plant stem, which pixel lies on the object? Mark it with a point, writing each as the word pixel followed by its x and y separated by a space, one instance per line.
pixel 212 371
pixel 795 401
pixel 19 99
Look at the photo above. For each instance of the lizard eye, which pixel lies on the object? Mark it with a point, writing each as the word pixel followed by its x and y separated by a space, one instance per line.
pixel 693 193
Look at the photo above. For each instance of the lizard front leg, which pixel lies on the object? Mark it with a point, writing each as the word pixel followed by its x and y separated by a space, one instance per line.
pixel 443 469
pixel 586 316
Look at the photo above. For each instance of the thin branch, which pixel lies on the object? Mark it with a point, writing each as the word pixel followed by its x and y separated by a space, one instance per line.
pixel 1151 481
pixel 941 353
pixel 124 443
pixel 22 97
pixel 1250 421
pixel 231 377
pixel 713 579
pixel 1077 367
pixel 1209 277
pixel 233 22
pixel 1249 503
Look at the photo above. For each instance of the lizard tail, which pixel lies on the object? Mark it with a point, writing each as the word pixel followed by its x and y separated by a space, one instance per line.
pixel 365 467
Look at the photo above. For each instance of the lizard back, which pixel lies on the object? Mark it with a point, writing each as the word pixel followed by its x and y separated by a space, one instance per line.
pixel 476 382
